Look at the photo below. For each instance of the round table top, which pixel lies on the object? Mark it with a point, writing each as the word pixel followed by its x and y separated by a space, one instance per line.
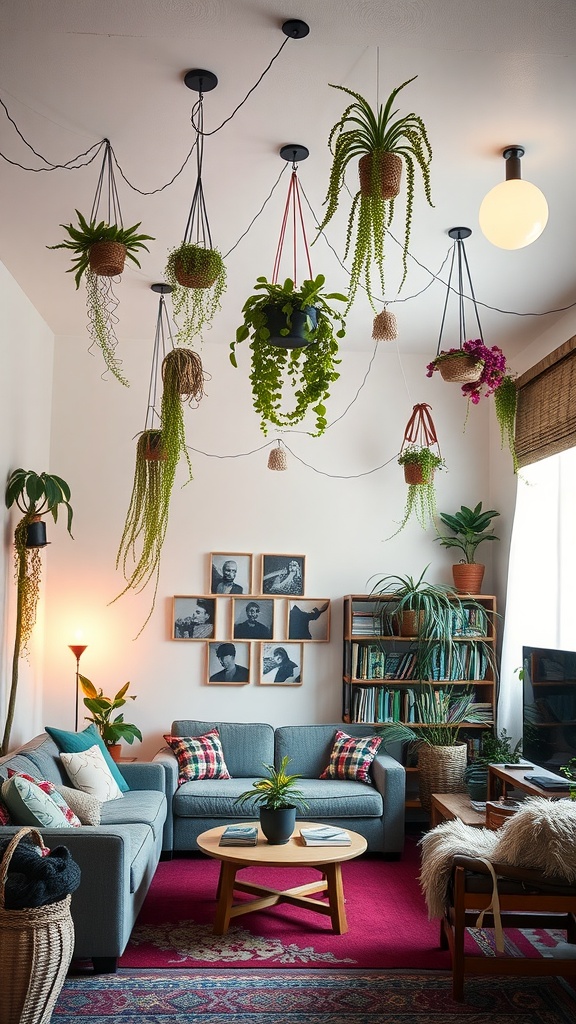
pixel 294 852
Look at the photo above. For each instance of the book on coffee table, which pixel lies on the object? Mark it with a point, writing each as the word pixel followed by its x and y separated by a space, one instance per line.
pixel 325 835
pixel 239 835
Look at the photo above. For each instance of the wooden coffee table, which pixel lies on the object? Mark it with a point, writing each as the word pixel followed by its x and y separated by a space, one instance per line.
pixel 327 860
pixel 448 806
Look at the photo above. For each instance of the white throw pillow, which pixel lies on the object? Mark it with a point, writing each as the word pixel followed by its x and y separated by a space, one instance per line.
pixel 88 771
pixel 86 807
pixel 29 805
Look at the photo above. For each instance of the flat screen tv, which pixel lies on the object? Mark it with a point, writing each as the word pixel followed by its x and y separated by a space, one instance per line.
pixel 549 706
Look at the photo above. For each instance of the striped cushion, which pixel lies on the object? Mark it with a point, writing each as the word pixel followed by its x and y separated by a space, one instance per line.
pixel 199 757
pixel 351 757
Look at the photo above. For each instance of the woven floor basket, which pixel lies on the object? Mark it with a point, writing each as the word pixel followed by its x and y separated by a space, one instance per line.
pixel 460 369
pixel 440 770
pixel 107 258
pixel 36 947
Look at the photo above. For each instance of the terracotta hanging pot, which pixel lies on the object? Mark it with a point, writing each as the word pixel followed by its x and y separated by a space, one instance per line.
pixel 107 258
pixel 199 269
pixel 468 577
pixel 388 174
pixel 460 369
pixel 153 450
pixel 414 473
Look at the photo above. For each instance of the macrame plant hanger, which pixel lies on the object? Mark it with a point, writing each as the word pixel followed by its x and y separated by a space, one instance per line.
pixel 461 368
pixel 420 433
pixel 419 460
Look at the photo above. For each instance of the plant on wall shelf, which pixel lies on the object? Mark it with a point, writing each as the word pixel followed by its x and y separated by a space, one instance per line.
pixel 384 143
pixel 310 366
pixel 36 495
pixel 197 276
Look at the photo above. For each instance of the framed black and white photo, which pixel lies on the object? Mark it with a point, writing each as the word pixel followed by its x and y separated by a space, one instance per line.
pixel 228 664
pixel 230 573
pixel 309 620
pixel 253 618
pixel 283 574
pixel 281 664
pixel 193 618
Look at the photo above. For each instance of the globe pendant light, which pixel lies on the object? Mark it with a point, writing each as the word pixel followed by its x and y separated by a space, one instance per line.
pixel 515 212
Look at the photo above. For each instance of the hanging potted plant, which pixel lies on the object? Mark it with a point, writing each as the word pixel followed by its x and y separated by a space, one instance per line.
pixel 36 495
pixel 310 367
pixel 470 528
pixel 420 462
pixel 384 143
pixel 505 404
pixel 488 371
pixel 197 276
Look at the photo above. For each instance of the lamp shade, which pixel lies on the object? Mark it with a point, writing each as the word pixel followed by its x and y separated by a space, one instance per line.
pixel 513 214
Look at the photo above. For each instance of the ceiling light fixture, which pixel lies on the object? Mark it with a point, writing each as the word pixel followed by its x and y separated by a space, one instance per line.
pixel 515 212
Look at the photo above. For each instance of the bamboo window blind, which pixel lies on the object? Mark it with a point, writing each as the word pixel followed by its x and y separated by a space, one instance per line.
pixel 546 413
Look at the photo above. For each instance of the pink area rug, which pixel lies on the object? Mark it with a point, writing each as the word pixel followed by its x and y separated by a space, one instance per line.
pixel 387 920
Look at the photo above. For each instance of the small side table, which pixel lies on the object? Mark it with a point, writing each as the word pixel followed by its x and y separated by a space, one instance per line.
pixel 449 806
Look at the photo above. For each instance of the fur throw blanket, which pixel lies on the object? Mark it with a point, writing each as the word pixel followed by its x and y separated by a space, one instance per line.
pixel 541 835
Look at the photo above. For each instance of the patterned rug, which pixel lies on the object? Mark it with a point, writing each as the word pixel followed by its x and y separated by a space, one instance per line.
pixel 388 924
pixel 316 997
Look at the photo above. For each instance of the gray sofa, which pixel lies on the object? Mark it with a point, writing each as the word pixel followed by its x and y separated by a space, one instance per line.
pixel 117 858
pixel 375 811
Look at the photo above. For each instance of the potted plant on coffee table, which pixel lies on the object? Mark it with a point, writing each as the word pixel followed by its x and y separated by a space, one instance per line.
pixel 384 143
pixel 112 730
pixel 470 528
pixel 278 797
pixel 294 336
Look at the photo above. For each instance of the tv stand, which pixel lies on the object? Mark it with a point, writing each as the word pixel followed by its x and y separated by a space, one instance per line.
pixel 513 778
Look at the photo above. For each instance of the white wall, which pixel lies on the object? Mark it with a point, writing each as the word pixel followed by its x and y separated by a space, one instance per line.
pixel 237 504
pixel 26 346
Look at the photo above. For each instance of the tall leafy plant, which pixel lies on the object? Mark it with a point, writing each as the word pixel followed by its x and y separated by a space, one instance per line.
pixel 34 494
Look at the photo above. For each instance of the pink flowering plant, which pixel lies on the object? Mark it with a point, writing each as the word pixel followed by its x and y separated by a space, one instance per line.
pixel 493 368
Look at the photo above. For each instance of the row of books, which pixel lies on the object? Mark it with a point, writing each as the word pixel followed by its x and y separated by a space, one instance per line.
pixel 439 662
pixel 377 620
pixel 381 704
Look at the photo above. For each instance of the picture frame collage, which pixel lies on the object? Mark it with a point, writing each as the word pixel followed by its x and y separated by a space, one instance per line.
pixel 265 631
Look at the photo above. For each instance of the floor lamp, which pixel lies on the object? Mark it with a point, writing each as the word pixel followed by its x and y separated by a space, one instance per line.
pixel 77 651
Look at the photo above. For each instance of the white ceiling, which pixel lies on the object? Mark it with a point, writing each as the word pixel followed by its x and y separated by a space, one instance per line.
pixel 490 73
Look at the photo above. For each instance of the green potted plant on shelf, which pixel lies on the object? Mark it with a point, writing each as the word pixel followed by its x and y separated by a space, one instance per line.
pixel 309 366
pixel 36 495
pixel 384 143
pixel 100 251
pixel 470 528
pixel 496 749
pixel 421 609
pixel 112 730
pixel 278 797
pixel 197 276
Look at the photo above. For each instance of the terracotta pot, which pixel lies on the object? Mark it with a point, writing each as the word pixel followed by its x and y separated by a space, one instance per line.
pixel 389 173
pixel 107 258
pixel 468 577
pixel 460 369
pixel 411 622
pixel 414 473
pixel 115 750
pixel 153 450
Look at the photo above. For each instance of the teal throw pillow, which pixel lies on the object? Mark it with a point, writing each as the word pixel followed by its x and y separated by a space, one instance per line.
pixel 75 742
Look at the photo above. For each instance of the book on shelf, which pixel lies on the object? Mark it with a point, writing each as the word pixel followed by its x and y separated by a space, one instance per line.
pixel 325 835
pixel 239 835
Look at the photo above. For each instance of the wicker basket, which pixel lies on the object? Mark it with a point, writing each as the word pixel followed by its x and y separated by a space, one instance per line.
pixel 460 369
pixel 440 770
pixel 107 258
pixel 389 173
pixel 36 947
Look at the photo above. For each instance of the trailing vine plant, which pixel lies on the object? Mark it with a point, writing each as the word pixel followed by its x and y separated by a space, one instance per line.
pixel 420 462
pixel 35 495
pixel 505 404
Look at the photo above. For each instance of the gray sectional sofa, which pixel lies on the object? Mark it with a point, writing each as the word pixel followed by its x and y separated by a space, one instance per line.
pixel 375 811
pixel 117 858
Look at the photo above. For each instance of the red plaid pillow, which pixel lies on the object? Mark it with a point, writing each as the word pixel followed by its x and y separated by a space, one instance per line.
pixel 351 757
pixel 199 757
pixel 51 791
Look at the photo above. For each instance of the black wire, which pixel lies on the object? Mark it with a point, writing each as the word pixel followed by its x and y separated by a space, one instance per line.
pixel 162 187
pixel 242 102
pixel 261 210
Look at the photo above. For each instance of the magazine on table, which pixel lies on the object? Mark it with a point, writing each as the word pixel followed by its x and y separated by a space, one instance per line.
pixel 325 835
pixel 239 835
